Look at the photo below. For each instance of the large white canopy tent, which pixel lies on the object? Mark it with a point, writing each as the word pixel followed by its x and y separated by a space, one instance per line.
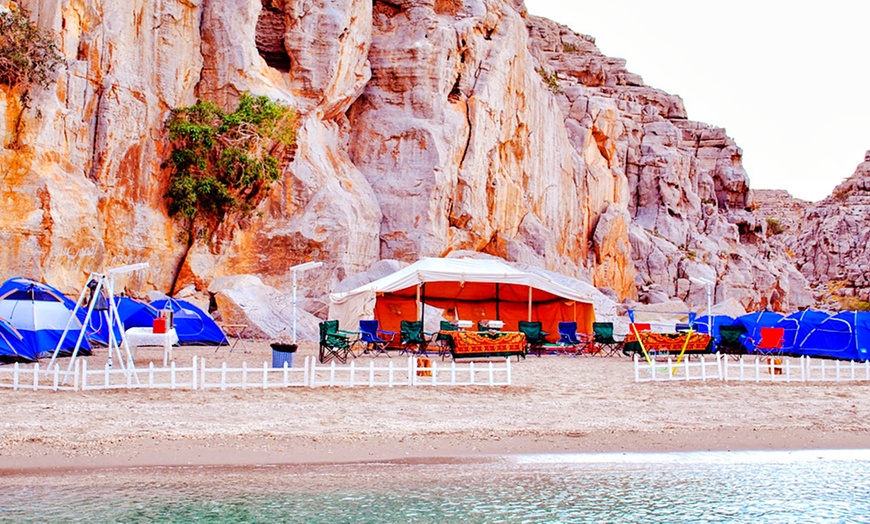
pixel 466 289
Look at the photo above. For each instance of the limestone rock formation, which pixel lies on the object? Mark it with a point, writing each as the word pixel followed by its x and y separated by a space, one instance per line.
pixel 425 127
pixel 461 143
pixel 828 240
pixel 832 248
pixel 681 181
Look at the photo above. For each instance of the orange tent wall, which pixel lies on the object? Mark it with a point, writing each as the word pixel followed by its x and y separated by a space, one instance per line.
pixel 391 309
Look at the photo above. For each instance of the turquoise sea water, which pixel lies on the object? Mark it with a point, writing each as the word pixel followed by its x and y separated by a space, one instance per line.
pixel 798 486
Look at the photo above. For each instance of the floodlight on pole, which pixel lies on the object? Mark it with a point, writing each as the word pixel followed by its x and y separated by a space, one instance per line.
pixel 301 267
pixel 128 269
pixel 709 285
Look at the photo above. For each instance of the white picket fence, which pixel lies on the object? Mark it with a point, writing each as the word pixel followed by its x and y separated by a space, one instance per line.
pixel 381 373
pixel 751 368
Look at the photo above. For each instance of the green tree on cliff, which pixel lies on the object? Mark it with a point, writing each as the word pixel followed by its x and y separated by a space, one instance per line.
pixel 223 163
pixel 27 55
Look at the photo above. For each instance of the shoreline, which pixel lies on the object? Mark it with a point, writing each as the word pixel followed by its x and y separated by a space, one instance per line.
pixel 150 453
pixel 557 404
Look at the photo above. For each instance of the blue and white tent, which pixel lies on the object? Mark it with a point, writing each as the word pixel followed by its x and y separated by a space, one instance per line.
pixel 12 346
pixel 40 313
pixel 193 325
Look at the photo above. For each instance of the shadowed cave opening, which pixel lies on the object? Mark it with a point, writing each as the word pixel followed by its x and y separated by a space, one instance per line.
pixel 270 36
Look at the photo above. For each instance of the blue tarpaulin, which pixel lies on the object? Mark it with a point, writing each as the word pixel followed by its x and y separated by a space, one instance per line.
pixel 845 335
pixel 702 324
pixel 753 323
pixel 796 326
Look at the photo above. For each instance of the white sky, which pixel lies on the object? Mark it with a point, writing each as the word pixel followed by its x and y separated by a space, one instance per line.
pixel 789 81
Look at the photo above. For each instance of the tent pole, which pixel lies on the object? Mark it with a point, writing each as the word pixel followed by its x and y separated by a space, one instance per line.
pixel 422 302
pixel 530 304
pixel 417 303
pixel 497 315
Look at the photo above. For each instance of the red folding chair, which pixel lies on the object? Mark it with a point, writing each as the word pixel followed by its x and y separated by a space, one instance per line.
pixel 771 340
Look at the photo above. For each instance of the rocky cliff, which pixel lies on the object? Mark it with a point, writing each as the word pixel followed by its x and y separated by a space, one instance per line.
pixel 829 240
pixel 425 127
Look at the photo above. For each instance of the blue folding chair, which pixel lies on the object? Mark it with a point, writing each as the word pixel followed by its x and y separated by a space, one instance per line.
pixel 370 336
pixel 569 337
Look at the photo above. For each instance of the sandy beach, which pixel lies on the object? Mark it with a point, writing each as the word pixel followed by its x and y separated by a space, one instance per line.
pixel 556 404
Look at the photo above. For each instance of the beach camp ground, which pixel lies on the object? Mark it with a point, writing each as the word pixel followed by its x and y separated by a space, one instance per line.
pixel 458 308
pixel 38 321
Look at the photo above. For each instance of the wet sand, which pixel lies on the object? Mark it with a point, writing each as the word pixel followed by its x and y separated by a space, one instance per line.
pixel 556 404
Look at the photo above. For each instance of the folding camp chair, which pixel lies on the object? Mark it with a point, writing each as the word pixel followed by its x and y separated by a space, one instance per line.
pixel 442 340
pixel 730 340
pixel 603 338
pixel 770 340
pixel 412 337
pixel 577 342
pixel 370 337
pixel 333 343
pixel 535 336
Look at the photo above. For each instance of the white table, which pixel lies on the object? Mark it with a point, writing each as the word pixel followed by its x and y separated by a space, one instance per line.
pixel 145 336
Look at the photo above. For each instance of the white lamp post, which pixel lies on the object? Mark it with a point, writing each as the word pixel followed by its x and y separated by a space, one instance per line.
pixel 294 269
pixel 709 285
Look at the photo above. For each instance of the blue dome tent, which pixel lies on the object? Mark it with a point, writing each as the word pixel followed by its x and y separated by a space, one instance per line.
pixel 133 313
pixel 193 325
pixel 40 313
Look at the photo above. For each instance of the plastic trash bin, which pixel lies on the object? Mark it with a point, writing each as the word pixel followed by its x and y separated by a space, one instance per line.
pixel 282 353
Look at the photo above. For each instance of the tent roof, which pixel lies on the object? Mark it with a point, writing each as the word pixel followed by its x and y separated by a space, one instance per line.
pixel 20 288
pixel 462 271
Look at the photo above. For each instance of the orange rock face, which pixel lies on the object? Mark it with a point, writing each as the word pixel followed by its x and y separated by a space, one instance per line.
pixel 424 128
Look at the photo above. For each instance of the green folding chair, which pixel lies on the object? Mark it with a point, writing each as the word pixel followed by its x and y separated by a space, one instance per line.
pixel 602 336
pixel 333 343
pixel 731 340
pixel 412 337
pixel 535 336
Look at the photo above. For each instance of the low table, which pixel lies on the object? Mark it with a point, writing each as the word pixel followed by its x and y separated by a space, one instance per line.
pixel 237 331
pixel 145 336
pixel 483 344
